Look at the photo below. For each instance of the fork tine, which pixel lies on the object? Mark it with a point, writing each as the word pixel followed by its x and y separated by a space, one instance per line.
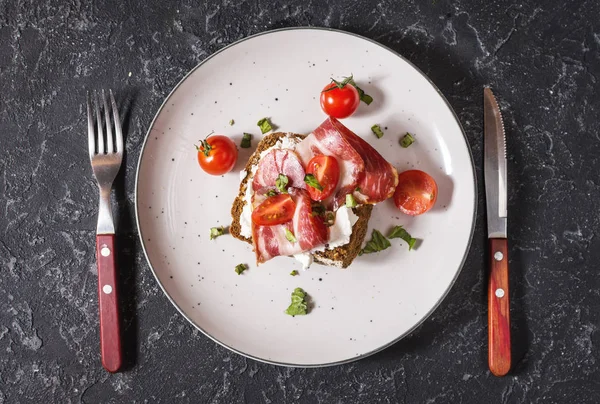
pixel 91 136
pixel 118 132
pixel 100 134
pixel 109 135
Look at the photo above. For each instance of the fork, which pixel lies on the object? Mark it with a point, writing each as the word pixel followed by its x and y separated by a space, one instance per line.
pixel 106 155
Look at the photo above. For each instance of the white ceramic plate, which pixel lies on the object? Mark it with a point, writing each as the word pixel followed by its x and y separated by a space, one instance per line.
pixel 381 297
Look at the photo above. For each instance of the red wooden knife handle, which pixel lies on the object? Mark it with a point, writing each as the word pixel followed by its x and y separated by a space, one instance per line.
pixel 110 336
pixel 499 356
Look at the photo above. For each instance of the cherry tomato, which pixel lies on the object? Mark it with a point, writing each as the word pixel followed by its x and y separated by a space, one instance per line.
pixel 217 154
pixel 327 173
pixel 274 210
pixel 339 102
pixel 416 192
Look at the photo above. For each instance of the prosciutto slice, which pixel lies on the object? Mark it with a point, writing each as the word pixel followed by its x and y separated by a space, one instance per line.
pixel 275 162
pixel 363 171
pixel 310 231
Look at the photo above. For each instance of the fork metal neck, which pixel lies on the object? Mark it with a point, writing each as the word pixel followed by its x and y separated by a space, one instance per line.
pixel 105 218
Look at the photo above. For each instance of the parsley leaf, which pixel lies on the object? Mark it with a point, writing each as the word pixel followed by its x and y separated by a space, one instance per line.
pixel 271 192
pixel 231 122
pixel 400 232
pixel 377 243
pixel 299 306
pixel 294 273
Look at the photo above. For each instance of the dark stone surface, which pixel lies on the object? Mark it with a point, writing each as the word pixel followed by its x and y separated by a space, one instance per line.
pixel 543 61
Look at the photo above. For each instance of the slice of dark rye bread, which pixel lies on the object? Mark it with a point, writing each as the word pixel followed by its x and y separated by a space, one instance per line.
pixel 341 256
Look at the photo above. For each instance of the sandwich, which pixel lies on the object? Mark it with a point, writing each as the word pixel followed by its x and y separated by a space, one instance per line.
pixel 311 196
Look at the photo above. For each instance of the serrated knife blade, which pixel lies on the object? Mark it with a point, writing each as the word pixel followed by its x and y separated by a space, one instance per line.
pixel 495 169
pixel 494 166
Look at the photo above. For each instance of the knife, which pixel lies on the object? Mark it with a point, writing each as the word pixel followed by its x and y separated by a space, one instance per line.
pixel 499 356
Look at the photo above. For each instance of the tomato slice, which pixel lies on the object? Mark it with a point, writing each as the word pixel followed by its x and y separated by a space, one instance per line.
pixel 327 173
pixel 416 192
pixel 274 210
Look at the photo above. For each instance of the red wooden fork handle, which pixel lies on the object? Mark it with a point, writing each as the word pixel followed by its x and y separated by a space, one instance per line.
pixel 499 356
pixel 110 337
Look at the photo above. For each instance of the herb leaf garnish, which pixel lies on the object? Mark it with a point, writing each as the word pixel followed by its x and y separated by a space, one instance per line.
pixel 377 131
pixel 299 306
pixel 407 140
pixel 246 141
pixel 281 183
pixel 400 232
pixel 240 268
pixel 377 243
pixel 216 232
pixel 312 181
pixel 264 125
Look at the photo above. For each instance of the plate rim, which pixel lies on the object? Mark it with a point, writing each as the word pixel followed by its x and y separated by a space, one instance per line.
pixel 384 346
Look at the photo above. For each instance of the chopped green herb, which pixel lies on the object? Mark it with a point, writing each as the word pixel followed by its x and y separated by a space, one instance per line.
pixel 407 140
pixel 264 125
pixel 299 306
pixel 294 273
pixel 271 192
pixel 312 181
pixel 366 98
pixel 377 243
pixel 246 141
pixel 357 189
pixel 240 268
pixel 290 236
pixel 281 182
pixel 350 201
pixel 216 232
pixel 377 131
pixel 231 122
pixel 399 232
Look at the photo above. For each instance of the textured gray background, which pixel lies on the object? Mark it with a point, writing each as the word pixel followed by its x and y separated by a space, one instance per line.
pixel 543 62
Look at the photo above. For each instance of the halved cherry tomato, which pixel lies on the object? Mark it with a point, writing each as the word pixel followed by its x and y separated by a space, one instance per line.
pixel 416 192
pixel 327 173
pixel 217 154
pixel 339 102
pixel 274 210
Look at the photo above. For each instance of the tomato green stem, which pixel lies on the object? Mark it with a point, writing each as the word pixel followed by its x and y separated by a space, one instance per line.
pixel 205 147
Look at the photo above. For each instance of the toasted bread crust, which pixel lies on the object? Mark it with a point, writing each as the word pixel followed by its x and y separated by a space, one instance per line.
pixel 341 256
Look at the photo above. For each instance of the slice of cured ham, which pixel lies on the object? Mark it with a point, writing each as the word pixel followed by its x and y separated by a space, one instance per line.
pixel 363 171
pixel 270 241
pixel 275 162
pixel 309 231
